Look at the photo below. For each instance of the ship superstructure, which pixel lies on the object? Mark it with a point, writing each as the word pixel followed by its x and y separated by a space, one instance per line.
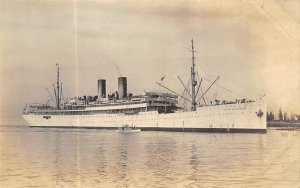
pixel 149 111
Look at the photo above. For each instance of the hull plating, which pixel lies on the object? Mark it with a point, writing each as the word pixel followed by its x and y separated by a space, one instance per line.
pixel 242 117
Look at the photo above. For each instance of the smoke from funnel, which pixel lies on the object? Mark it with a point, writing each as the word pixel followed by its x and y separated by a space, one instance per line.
pixel 118 70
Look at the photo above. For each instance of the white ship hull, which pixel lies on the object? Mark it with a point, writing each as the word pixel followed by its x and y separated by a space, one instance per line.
pixel 239 117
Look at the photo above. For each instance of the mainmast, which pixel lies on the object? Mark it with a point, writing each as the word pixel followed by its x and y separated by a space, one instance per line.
pixel 194 82
pixel 57 96
pixel 193 78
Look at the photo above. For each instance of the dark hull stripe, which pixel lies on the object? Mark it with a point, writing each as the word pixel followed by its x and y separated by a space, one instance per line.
pixel 212 130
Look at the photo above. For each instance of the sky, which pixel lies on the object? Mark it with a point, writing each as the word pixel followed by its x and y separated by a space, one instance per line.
pixel 253 45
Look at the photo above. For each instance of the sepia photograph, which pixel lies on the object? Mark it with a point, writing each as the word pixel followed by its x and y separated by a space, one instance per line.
pixel 140 93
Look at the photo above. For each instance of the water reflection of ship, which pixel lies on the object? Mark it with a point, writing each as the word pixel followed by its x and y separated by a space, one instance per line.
pixel 101 157
pixel 194 162
pixel 121 168
pixel 57 153
pixel 161 153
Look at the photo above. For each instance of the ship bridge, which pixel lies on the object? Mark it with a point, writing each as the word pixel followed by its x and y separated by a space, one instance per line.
pixel 162 102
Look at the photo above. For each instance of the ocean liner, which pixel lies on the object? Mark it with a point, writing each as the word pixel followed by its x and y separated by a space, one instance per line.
pixel 154 111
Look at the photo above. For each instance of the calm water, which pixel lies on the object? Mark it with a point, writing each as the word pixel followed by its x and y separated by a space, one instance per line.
pixel 41 157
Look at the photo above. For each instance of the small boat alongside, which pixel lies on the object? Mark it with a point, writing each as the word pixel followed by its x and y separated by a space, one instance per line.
pixel 128 129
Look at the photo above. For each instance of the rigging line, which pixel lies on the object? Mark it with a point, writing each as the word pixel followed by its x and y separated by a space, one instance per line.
pixel 60 95
pixel 274 20
pixel 226 94
pixel 50 95
pixel 225 88
pixel 208 88
pixel 229 79
pixel 221 66
pixel 198 85
pixel 209 65
pixel 172 91
pixel 243 86
pixel 55 93
pixel 184 86
pixel 185 89
pixel 218 70
pixel 187 65
pixel 185 101
pixel 203 97
pixel 179 100
pixel 189 79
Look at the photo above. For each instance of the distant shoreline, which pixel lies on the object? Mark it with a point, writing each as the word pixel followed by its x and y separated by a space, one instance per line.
pixel 283 124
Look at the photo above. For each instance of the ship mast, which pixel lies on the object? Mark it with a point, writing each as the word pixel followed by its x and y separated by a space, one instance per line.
pixel 194 82
pixel 57 96
pixel 193 78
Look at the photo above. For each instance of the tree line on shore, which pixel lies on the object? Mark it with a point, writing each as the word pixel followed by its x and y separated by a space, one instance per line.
pixel 283 116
